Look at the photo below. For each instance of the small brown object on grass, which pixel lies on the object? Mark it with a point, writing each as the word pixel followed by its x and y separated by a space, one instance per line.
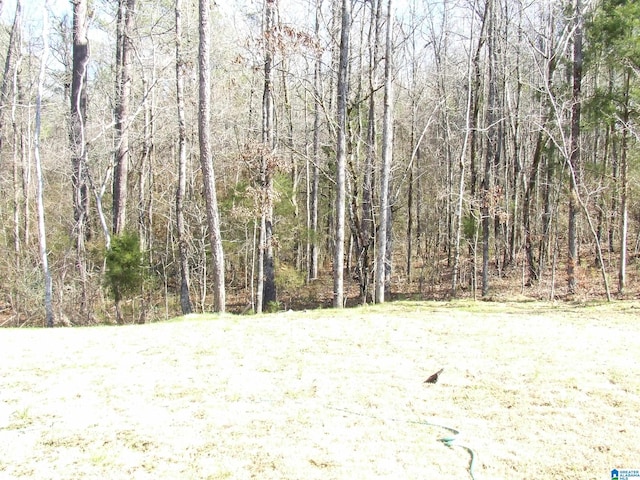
pixel 434 378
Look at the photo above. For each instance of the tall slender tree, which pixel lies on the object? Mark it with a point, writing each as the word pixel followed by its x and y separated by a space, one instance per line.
pixel 206 157
pixel 124 52
pixel 462 160
pixel 10 86
pixel 42 233
pixel 492 151
pixel 185 298
pixel 366 233
pixel 79 155
pixel 13 51
pixel 341 155
pixel 80 54
pixel 267 166
pixel 574 146
pixel 315 177
pixel 387 155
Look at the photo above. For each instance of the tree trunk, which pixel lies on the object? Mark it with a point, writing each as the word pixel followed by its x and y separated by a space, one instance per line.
pixel 364 230
pixel 574 150
pixel 183 252
pixel 10 78
pixel 267 162
pixel 145 165
pixel 13 50
pixel 42 234
pixel 293 164
pixel 19 195
pixel 78 121
pixel 624 187
pixel 81 229
pixel 534 265
pixel 455 276
pixel 518 178
pixel 384 224
pixel 315 182
pixel 206 158
pixel 544 249
pixel 476 93
pixel 124 50
pixel 492 151
pixel 341 157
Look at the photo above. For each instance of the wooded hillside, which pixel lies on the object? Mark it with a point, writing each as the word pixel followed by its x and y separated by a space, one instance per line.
pixel 168 156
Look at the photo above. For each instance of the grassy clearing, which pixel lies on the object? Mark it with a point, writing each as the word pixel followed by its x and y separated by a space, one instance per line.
pixel 537 391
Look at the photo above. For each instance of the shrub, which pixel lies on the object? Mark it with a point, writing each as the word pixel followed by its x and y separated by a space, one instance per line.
pixel 125 272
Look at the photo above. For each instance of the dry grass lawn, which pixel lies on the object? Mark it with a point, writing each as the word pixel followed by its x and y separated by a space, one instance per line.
pixel 537 391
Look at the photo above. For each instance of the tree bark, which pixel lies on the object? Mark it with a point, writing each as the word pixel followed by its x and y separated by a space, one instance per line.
pixel 79 176
pixel 13 51
pixel 10 78
pixel 78 122
pixel 315 182
pixel 42 233
pixel 469 121
pixel 341 156
pixel 492 151
pixel 574 149
pixel 183 250
pixel 624 186
pixel 145 164
pixel 363 229
pixel 384 224
pixel 124 50
pixel 269 294
pixel 534 265
pixel 206 158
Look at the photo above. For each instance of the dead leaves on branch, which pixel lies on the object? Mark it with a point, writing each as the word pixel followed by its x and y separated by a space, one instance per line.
pixel 263 198
pixel 493 200
pixel 286 39
pixel 262 163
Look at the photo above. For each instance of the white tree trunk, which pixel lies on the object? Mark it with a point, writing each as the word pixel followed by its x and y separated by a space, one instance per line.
pixel 387 158
pixel 206 157
pixel 341 157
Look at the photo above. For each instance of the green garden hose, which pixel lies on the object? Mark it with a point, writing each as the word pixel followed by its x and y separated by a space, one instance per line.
pixel 450 441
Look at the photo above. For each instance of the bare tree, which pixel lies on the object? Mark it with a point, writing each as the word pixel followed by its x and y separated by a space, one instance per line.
pixel 9 64
pixel 79 175
pixel 341 156
pixel 492 152
pixel 455 274
pixel 42 234
pixel 624 185
pixel 185 299
pixel 387 155
pixel 363 228
pixel 266 269
pixel 206 157
pixel 124 52
pixel 78 120
pixel 574 147
pixel 315 178
pixel 10 82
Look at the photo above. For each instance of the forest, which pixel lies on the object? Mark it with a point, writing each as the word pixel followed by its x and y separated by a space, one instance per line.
pixel 164 157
